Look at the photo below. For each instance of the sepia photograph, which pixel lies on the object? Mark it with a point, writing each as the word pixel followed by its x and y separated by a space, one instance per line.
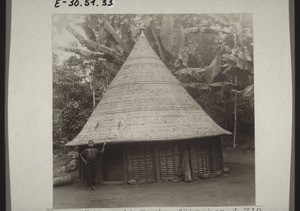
pixel 153 110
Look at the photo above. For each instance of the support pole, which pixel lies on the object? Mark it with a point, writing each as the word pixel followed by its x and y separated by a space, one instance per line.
pixel 235 116
pixel 235 120
pixel 221 153
pixel 191 160
pixel 79 163
pixel 125 178
pixel 157 163
pixel 92 85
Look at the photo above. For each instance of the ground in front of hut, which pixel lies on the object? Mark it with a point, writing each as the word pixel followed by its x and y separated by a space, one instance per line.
pixel 238 188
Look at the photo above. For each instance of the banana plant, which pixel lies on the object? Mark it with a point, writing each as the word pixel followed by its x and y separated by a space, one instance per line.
pixel 220 45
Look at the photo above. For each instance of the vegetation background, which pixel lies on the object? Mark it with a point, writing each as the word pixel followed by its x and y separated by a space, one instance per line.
pixel 211 54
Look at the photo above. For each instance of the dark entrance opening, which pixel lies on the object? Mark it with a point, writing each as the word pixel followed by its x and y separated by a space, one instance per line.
pixel 113 163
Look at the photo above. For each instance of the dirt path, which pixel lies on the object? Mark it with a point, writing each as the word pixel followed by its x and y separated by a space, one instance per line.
pixel 236 189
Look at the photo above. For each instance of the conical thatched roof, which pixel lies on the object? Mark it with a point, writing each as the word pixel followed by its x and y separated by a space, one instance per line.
pixel 145 102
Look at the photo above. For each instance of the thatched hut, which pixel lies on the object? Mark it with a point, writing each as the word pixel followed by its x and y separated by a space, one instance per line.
pixel 150 122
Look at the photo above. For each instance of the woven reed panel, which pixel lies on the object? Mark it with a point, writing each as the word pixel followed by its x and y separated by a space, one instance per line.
pixel 113 163
pixel 217 154
pixel 206 156
pixel 145 102
pixel 140 161
pixel 170 154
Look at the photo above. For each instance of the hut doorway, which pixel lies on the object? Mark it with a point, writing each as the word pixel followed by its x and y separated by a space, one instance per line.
pixel 113 163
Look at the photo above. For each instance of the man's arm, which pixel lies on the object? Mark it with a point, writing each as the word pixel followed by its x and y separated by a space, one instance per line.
pixel 103 148
pixel 81 155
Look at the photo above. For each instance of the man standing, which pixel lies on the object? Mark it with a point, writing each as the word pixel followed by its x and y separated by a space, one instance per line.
pixel 89 157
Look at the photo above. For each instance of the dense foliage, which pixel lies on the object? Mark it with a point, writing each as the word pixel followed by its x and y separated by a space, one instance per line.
pixel 212 55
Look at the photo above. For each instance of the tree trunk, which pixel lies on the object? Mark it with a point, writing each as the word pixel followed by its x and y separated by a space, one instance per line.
pixel 235 119
pixel 235 115
pixel 225 115
pixel 60 181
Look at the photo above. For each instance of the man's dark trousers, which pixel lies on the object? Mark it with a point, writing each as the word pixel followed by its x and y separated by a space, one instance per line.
pixel 91 173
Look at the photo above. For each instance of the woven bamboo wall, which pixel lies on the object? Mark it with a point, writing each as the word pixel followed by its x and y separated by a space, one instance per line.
pixel 157 161
pixel 206 156
pixel 140 161
pixel 169 159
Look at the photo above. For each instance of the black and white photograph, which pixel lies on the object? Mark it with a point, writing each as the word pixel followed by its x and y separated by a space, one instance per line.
pixel 143 105
pixel 153 110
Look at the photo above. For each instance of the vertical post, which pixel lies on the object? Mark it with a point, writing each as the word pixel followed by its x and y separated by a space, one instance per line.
pixel 186 168
pixel 145 161
pixel 79 163
pixel 157 163
pixel 173 157
pixel 125 165
pixel 103 165
pixel 235 116
pixel 191 160
pixel 237 26
pixel 138 162
pixel 167 163
pixel 92 86
pixel 225 111
pixel 221 154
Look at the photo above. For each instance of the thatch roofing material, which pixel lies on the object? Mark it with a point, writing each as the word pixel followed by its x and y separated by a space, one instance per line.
pixel 145 102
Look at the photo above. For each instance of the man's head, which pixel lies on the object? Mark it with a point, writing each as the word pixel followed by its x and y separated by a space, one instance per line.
pixel 91 143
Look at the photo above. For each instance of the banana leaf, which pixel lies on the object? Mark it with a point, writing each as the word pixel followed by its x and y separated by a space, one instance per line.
pixel 172 35
pixel 213 69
